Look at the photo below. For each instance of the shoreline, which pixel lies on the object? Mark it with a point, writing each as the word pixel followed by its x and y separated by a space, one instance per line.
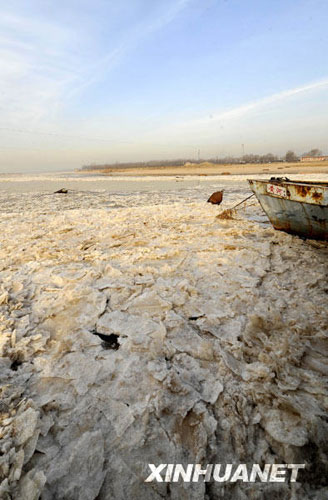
pixel 213 170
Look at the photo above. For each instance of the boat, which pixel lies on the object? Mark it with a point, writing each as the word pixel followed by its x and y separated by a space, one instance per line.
pixel 296 207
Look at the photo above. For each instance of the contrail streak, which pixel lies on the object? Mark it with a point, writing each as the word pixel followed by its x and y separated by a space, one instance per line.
pixel 245 108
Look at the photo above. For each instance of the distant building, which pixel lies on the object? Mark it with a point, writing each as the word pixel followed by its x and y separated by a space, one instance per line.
pixel 315 158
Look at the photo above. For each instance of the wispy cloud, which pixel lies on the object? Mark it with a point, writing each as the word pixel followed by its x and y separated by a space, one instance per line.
pixel 44 63
pixel 239 111
pixel 172 12
pixel 102 67
pixel 35 64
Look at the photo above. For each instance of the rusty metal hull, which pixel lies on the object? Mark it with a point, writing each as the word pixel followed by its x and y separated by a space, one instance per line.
pixel 299 208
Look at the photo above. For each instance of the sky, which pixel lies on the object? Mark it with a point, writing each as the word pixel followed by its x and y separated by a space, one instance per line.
pixel 102 81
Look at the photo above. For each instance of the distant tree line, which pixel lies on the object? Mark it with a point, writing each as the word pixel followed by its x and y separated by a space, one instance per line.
pixel 290 156
pixel 313 152
pixel 135 164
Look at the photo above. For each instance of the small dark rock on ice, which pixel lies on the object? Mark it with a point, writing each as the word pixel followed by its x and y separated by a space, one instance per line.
pixel 61 191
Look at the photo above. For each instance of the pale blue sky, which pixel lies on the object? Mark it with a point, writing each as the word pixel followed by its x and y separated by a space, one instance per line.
pixel 95 81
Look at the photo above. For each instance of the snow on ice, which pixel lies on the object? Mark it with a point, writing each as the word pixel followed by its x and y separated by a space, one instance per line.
pixel 220 330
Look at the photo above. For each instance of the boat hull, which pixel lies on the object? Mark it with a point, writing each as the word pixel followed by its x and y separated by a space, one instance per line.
pixel 296 208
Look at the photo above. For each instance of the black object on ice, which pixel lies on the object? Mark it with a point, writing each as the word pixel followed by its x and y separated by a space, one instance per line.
pixel 61 191
pixel 109 341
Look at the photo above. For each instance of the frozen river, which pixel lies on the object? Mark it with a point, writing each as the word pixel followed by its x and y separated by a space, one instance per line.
pixel 217 329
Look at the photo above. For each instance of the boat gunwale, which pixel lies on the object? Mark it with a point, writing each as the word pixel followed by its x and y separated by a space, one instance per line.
pixel 302 183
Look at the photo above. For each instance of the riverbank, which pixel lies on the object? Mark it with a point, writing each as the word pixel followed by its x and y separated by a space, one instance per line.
pixel 209 169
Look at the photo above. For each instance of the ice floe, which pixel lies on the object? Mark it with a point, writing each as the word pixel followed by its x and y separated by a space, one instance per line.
pixel 220 353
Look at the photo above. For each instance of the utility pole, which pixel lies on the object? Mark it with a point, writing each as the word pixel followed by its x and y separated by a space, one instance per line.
pixel 243 148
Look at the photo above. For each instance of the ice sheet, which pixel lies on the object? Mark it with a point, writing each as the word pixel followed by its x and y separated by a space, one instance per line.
pixel 221 328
